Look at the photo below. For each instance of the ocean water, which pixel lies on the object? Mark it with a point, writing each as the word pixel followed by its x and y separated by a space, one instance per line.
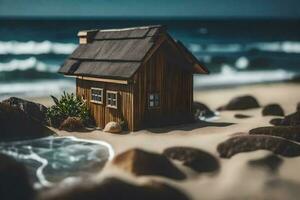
pixel 235 51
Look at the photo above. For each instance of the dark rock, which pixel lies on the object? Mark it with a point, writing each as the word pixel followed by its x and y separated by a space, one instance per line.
pixel 201 110
pixel 249 143
pixel 14 180
pixel 291 120
pixel 16 125
pixel 298 107
pixel 269 162
pixel 241 103
pixel 72 124
pixel 196 159
pixel 242 116
pixel 112 188
pixel 273 109
pixel 140 162
pixel 276 121
pixel 35 111
pixel 287 132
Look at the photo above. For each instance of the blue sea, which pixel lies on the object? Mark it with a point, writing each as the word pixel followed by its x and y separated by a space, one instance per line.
pixel 236 51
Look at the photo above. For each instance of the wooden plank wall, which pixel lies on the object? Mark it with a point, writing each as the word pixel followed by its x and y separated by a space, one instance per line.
pixel 100 112
pixel 174 84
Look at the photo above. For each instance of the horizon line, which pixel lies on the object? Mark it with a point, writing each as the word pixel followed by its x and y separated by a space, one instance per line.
pixel 147 18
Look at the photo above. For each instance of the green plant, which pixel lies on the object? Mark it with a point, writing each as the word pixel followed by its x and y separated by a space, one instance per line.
pixel 69 105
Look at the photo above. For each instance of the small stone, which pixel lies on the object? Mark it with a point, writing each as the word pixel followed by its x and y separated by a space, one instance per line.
pixel 196 159
pixel 72 124
pixel 292 119
pixel 242 116
pixel 249 143
pixel 287 132
pixel 276 121
pixel 113 127
pixel 241 103
pixel 270 162
pixel 141 163
pixel 273 109
pixel 201 110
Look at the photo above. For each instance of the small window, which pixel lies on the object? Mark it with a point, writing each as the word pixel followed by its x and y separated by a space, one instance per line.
pixel 112 99
pixel 97 95
pixel 154 100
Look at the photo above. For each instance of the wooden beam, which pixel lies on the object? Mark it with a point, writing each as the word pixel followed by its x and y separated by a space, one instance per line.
pixel 70 76
pixel 125 82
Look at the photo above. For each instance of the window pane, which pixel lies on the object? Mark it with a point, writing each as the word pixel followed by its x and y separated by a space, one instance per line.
pixel 151 97
pixel 151 104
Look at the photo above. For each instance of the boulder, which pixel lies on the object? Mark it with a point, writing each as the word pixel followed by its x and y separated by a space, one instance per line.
pixel 113 188
pixel 16 125
pixel 291 120
pixel 249 143
pixel 140 162
pixel 196 159
pixel 242 116
pixel 287 132
pixel 270 162
pixel 14 180
pixel 72 124
pixel 33 110
pixel 201 110
pixel 272 109
pixel 241 103
pixel 113 127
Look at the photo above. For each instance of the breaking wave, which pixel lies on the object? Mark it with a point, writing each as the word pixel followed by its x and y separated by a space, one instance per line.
pixel 35 48
pixel 35 88
pixel 26 64
pixel 284 47
pixel 230 77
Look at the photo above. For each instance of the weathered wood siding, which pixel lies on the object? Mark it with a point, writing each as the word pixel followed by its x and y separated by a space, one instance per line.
pixel 100 112
pixel 163 74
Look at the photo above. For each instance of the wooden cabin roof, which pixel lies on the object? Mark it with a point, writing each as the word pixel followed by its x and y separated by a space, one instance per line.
pixel 117 53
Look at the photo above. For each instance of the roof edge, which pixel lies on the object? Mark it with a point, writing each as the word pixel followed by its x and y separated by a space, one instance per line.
pixel 183 49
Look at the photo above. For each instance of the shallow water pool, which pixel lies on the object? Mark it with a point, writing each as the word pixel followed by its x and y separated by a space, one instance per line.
pixel 53 159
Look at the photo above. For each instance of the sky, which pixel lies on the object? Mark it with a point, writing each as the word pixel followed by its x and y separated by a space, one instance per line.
pixel 152 8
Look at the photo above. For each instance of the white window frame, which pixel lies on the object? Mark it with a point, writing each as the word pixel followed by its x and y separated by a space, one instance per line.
pixel 154 98
pixel 101 95
pixel 110 105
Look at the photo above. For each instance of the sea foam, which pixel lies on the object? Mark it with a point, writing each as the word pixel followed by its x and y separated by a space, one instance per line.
pixel 26 64
pixel 34 48
pixel 277 46
pixel 230 77
pixel 36 88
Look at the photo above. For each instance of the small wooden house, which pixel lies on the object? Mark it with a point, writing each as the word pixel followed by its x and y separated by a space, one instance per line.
pixel 140 76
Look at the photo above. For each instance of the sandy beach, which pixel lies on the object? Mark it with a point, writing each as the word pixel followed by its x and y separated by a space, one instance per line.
pixel 235 178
